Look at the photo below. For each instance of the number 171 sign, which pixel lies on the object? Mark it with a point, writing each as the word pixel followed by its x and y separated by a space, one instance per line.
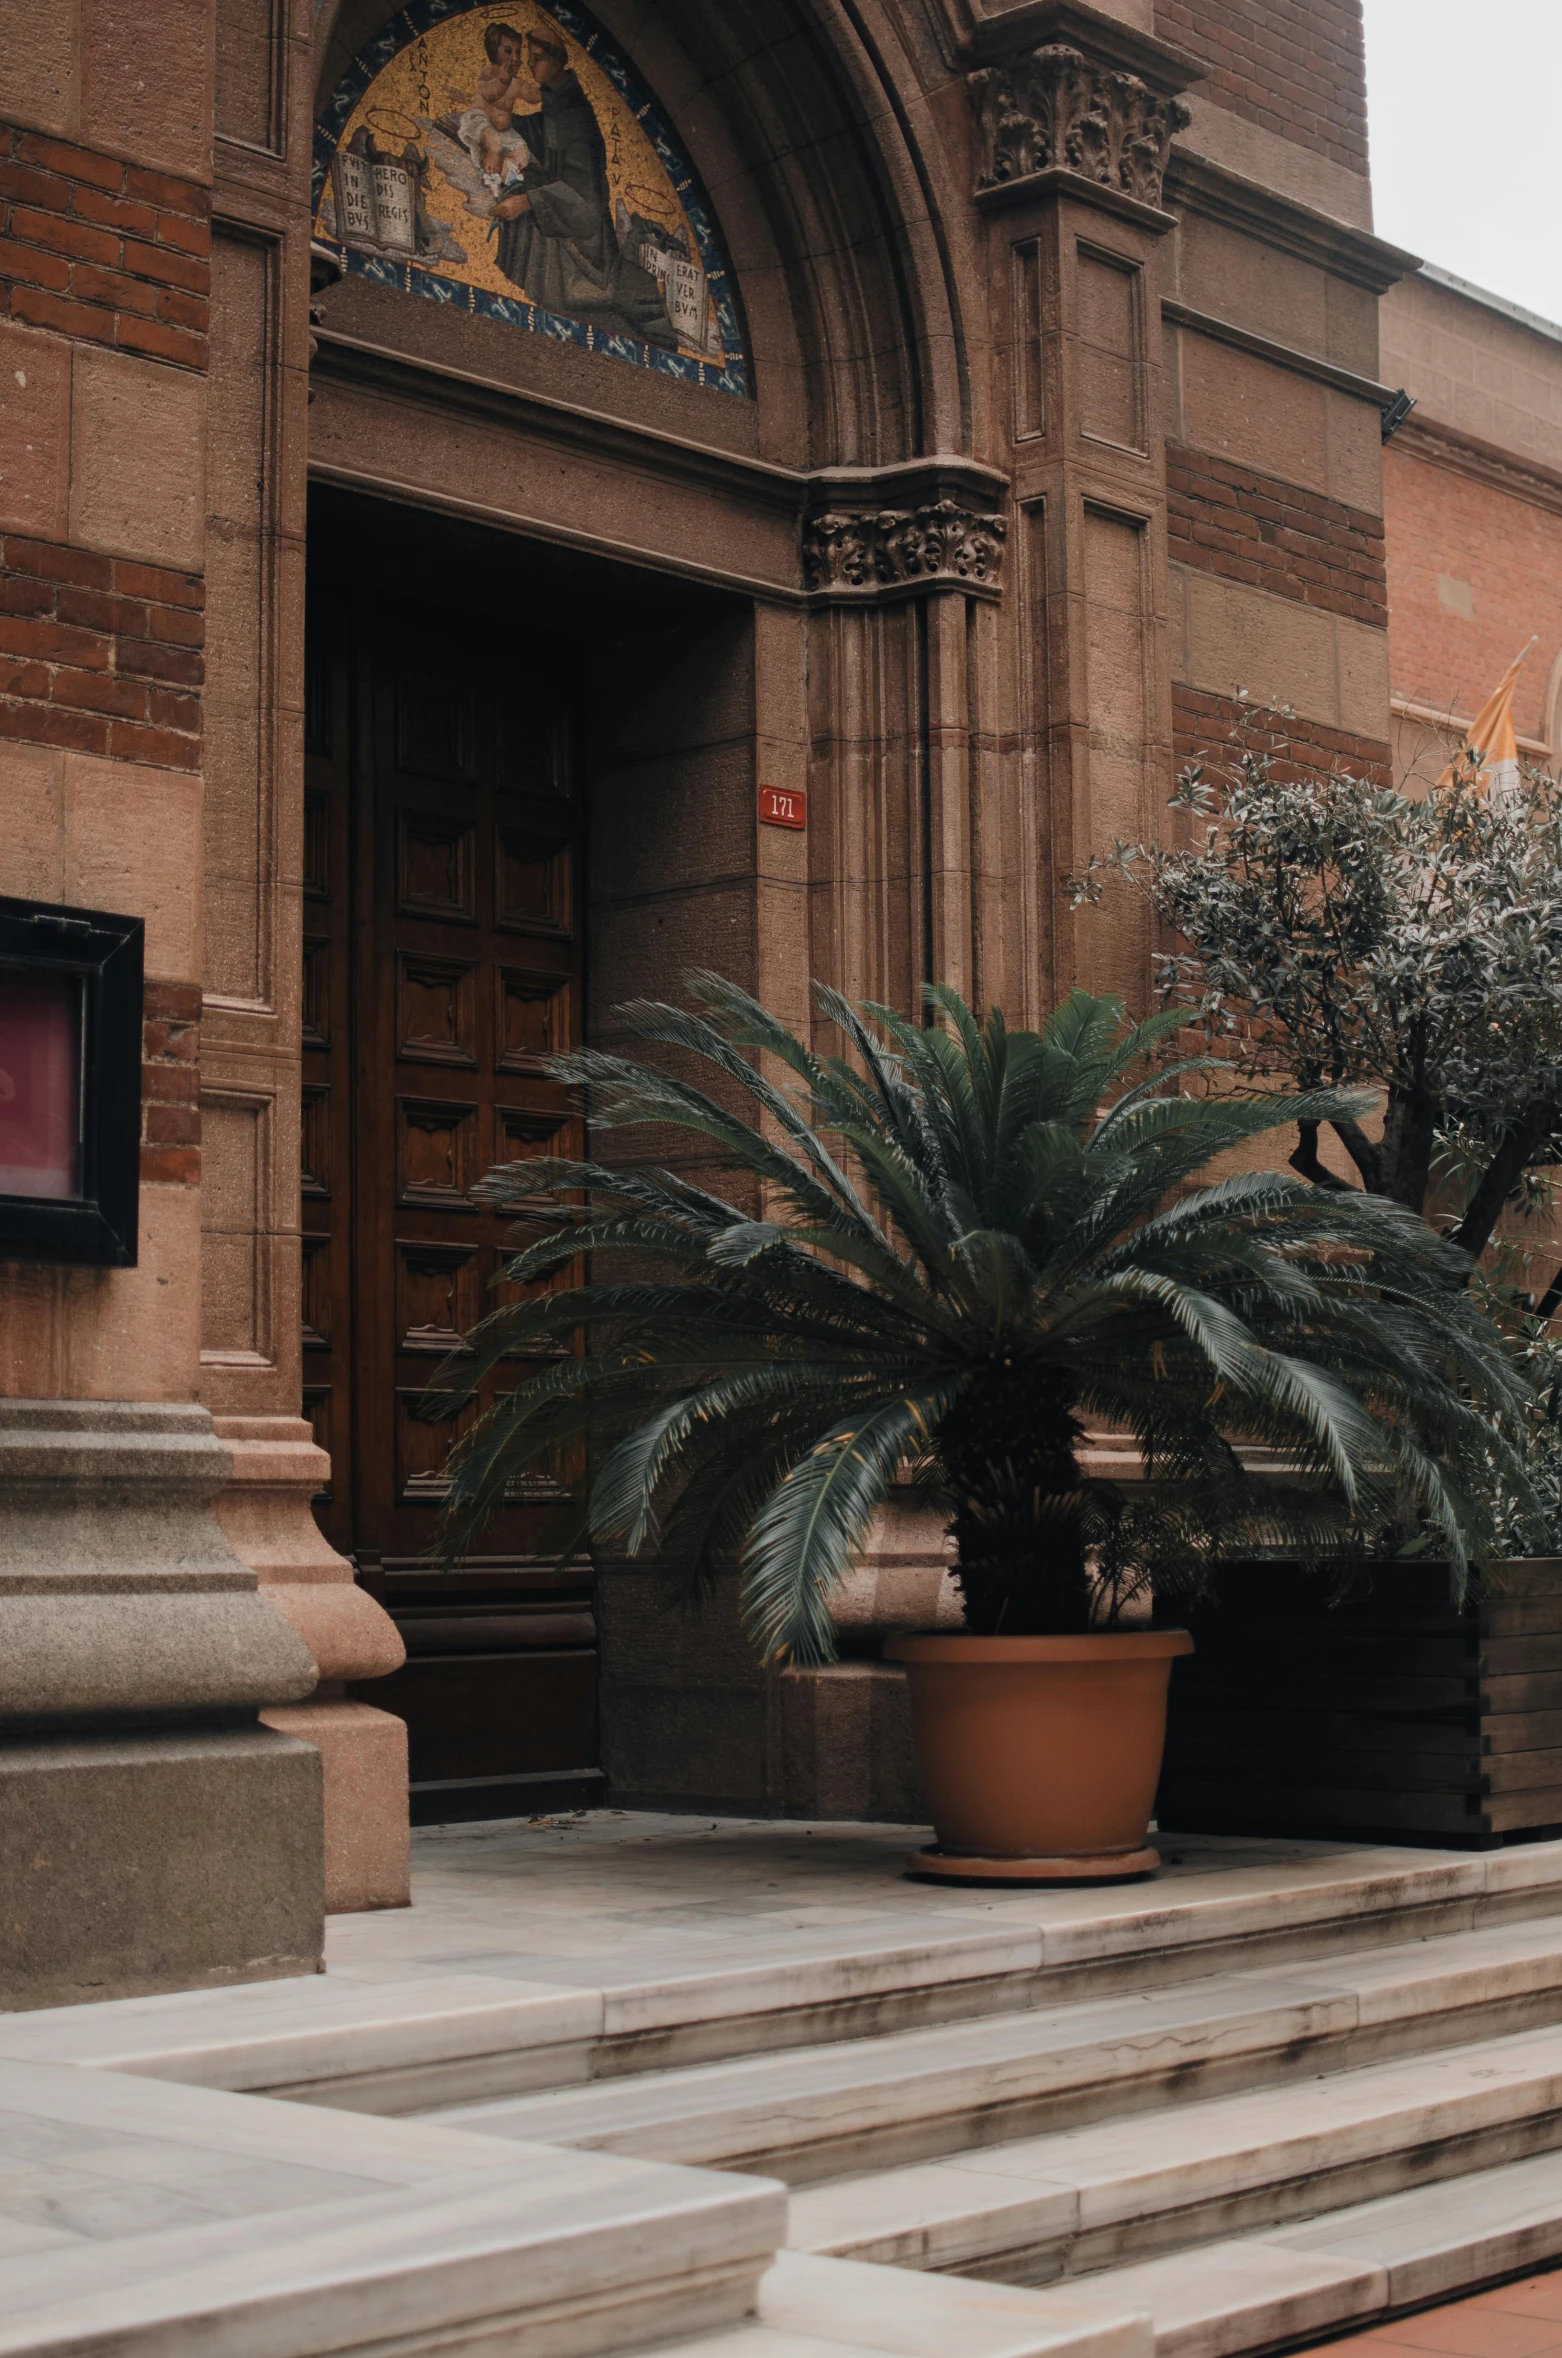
pixel 783 806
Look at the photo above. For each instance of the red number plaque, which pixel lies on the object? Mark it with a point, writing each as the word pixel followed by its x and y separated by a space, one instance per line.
pixel 783 806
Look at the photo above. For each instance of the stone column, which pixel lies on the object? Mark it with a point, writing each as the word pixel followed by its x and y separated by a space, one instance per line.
pixel 153 1834
pixel 266 1514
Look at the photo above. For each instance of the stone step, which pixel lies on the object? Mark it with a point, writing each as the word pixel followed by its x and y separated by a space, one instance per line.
pixel 162 2221
pixel 1087 2199
pixel 377 2038
pixel 880 2103
pixel 813 2308
pixel 1345 2270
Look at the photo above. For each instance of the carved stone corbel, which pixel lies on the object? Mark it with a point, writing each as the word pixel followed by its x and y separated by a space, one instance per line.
pixel 1053 109
pixel 878 552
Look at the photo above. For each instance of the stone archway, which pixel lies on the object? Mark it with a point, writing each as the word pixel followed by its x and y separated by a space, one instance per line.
pixel 932 569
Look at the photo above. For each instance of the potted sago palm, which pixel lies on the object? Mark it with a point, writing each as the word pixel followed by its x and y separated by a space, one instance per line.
pixel 957 1248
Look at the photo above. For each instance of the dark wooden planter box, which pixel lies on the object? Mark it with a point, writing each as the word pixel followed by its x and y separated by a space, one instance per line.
pixel 1394 1715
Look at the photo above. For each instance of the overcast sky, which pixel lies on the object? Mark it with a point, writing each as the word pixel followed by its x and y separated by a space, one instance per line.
pixel 1466 156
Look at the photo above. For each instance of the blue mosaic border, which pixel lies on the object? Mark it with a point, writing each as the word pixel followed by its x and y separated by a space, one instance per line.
pixel 421 16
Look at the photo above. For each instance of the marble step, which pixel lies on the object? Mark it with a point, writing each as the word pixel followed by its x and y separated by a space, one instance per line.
pixel 1344 2271
pixel 485 2022
pixel 1087 2199
pixel 160 2221
pixel 811 2113
pixel 813 2308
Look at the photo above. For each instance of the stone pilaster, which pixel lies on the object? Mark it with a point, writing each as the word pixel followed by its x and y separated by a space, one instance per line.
pixel 1074 114
pixel 153 1834
pixel 266 1513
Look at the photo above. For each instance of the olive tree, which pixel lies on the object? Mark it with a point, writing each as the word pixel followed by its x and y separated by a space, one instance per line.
pixel 1331 932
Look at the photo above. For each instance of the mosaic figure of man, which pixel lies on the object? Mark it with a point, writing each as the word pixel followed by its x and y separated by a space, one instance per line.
pixel 554 231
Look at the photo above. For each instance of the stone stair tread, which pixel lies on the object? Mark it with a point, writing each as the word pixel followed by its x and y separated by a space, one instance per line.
pixel 1234 2299
pixel 938 2088
pixel 405 2022
pixel 819 2308
pixel 194 2220
pixel 1135 2175
pixel 1345 2269
pixel 290 2034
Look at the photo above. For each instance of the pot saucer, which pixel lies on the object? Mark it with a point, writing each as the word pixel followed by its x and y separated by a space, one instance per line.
pixel 1117 1866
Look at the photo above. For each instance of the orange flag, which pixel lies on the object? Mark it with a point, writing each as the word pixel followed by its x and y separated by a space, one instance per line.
pixel 1491 736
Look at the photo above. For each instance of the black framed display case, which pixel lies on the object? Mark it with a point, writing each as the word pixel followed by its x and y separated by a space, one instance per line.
pixel 70 1084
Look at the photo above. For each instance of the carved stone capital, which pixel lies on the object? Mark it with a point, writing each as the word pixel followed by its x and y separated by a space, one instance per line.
pixel 879 552
pixel 1053 109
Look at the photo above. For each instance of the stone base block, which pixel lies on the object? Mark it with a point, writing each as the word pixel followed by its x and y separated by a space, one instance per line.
pixel 848 1748
pixel 363 1761
pixel 135 1863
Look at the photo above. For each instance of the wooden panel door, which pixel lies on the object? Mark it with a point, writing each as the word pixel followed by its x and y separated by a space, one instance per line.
pixel 445 921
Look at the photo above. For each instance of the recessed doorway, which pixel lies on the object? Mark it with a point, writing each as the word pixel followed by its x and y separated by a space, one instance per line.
pixel 487 720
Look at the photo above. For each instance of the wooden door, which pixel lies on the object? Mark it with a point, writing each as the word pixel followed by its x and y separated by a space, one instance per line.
pixel 443 961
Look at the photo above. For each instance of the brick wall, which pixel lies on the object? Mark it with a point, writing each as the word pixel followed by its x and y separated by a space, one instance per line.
pixel 1251 527
pixel 1294 66
pixel 99 654
pixel 102 251
pixel 1205 728
pixel 105 280
pixel 1473 572
pixel 171 1083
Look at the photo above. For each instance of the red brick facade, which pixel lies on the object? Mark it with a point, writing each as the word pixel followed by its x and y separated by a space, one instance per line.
pixel 103 654
pixel 101 251
pixel 1474 572
pixel 1250 527
pixel 1293 66
pixel 100 655
pixel 1206 728
pixel 170 1083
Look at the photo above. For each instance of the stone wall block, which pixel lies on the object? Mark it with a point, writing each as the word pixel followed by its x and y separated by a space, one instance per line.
pixel 363 1765
pixel 32 793
pixel 136 1863
pixel 266 1513
pixel 138 458
pixel 847 1745
pixel 145 97
pixel 904 1579
pixel 133 844
pixel 41 56
pixel 125 1334
pixel 35 414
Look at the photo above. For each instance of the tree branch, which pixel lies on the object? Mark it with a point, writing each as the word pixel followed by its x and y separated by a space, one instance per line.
pixel 1367 1158
pixel 1409 1141
pixel 1515 1151
pixel 1550 1301
pixel 1306 1160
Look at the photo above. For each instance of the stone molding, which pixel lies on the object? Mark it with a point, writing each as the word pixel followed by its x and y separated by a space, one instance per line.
pixel 267 1516
pixel 1520 477
pixel 770 503
pixel 873 553
pixel 1055 110
pixel 1196 184
pixel 1105 34
pixel 1291 357
pixel 120 1597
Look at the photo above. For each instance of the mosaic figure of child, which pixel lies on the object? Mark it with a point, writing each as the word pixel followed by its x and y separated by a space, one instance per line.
pixel 486 129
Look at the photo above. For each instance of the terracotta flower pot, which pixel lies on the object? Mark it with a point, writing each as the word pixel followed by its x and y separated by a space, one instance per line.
pixel 1039 1755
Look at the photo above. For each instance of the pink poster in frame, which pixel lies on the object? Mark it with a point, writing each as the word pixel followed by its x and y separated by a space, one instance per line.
pixel 40 1084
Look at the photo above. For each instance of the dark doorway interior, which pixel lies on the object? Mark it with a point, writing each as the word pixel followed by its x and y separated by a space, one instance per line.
pixel 488 723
